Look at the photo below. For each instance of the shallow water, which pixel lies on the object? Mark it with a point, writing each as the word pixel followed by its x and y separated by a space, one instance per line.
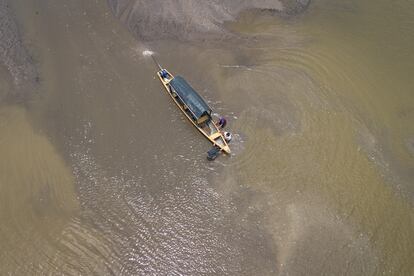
pixel 100 174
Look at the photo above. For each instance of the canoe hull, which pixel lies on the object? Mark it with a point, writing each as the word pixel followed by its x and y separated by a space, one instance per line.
pixel 210 130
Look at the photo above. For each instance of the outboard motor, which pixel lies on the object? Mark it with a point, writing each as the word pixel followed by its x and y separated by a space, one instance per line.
pixel 213 153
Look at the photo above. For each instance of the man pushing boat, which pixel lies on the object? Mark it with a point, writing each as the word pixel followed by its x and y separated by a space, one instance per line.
pixel 196 110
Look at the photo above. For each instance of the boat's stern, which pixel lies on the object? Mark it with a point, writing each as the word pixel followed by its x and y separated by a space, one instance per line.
pixel 226 149
pixel 218 140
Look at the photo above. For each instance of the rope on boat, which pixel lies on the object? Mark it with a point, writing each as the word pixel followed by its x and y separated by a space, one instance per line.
pixel 150 53
pixel 156 62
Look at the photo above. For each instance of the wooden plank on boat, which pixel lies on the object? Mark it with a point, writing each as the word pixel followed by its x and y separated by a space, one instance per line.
pixel 214 136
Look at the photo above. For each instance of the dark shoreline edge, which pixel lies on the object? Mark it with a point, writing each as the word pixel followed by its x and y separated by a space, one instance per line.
pixel 195 22
pixel 296 7
pixel 15 58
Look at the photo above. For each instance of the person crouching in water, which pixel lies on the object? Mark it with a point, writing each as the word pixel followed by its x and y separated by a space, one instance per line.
pixel 222 123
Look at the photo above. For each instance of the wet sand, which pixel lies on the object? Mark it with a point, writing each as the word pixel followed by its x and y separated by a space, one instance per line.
pixel 100 174
pixel 193 20
pixel 16 64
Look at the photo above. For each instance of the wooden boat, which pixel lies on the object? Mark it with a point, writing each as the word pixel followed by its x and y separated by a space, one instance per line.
pixel 194 108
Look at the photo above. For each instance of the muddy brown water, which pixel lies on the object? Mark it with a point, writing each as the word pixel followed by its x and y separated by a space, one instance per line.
pixel 100 174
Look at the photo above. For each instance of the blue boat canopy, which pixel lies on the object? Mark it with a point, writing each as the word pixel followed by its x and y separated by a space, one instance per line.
pixel 190 97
